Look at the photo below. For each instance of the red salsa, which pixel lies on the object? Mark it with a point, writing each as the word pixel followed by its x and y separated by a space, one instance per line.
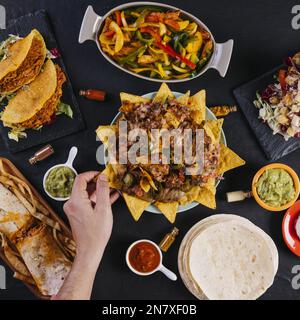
pixel 144 257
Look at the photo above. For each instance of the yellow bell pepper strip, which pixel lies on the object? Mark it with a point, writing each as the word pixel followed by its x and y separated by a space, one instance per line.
pixel 118 18
pixel 195 43
pixel 183 24
pixel 166 38
pixel 191 28
pixel 123 19
pixel 182 76
pixel 106 48
pixel 178 69
pixel 166 59
pixel 171 52
pixel 119 36
pixel 104 40
pixel 130 29
pixel 134 14
pixel 140 19
pixel 162 71
pixel 162 29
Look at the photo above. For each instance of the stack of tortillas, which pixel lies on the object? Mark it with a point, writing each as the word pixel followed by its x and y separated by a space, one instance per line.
pixel 227 257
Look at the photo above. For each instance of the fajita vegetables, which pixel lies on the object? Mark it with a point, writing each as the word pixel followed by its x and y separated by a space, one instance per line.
pixel 279 103
pixel 156 42
pixel 167 184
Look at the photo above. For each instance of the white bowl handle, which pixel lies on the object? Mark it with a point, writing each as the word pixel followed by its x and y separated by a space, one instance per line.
pixel 72 156
pixel 89 26
pixel 168 273
pixel 222 56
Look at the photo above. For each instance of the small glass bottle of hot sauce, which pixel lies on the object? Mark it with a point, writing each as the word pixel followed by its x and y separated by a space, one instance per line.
pixel 42 154
pixel 91 94
pixel 168 240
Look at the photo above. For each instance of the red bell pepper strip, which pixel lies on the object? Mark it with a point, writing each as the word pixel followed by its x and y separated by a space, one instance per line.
pixel 109 34
pixel 281 78
pixel 171 52
pixel 118 18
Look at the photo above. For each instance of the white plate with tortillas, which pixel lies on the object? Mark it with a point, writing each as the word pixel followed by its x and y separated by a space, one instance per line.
pixel 227 257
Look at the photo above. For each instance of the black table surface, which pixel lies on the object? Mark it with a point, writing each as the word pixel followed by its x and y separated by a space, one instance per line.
pixel 263 35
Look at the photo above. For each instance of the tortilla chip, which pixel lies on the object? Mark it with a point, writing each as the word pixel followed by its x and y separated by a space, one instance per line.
pixel 127 97
pixel 169 210
pixel 184 100
pixel 207 197
pixel 214 128
pixel 198 104
pixel 172 120
pixel 228 160
pixel 105 132
pixel 163 94
pixel 190 196
pixel 135 205
pixel 111 176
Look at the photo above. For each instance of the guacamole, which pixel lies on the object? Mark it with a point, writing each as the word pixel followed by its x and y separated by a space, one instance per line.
pixel 275 187
pixel 59 182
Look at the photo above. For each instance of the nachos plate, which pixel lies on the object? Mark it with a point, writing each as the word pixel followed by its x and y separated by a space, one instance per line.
pixel 166 188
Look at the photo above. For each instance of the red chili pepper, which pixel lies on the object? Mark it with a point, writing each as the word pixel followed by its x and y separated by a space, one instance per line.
pixel 281 77
pixel 118 18
pixel 170 51
pixel 152 32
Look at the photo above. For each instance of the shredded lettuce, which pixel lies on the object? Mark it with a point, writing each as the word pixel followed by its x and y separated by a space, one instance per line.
pixel 64 108
pixel 17 134
pixel 267 114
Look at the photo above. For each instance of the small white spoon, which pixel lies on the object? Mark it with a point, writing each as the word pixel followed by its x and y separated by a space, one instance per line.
pixel 68 164
pixel 168 273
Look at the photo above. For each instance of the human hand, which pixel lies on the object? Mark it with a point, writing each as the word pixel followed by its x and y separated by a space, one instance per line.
pixel 91 223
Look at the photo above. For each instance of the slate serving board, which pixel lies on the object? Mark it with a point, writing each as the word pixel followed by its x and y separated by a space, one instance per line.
pixel 274 146
pixel 63 125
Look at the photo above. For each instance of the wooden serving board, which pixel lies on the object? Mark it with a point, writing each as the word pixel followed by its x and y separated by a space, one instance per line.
pixel 12 169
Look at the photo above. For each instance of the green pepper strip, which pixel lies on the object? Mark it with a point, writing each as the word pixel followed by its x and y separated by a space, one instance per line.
pixel 140 37
pixel 132 56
